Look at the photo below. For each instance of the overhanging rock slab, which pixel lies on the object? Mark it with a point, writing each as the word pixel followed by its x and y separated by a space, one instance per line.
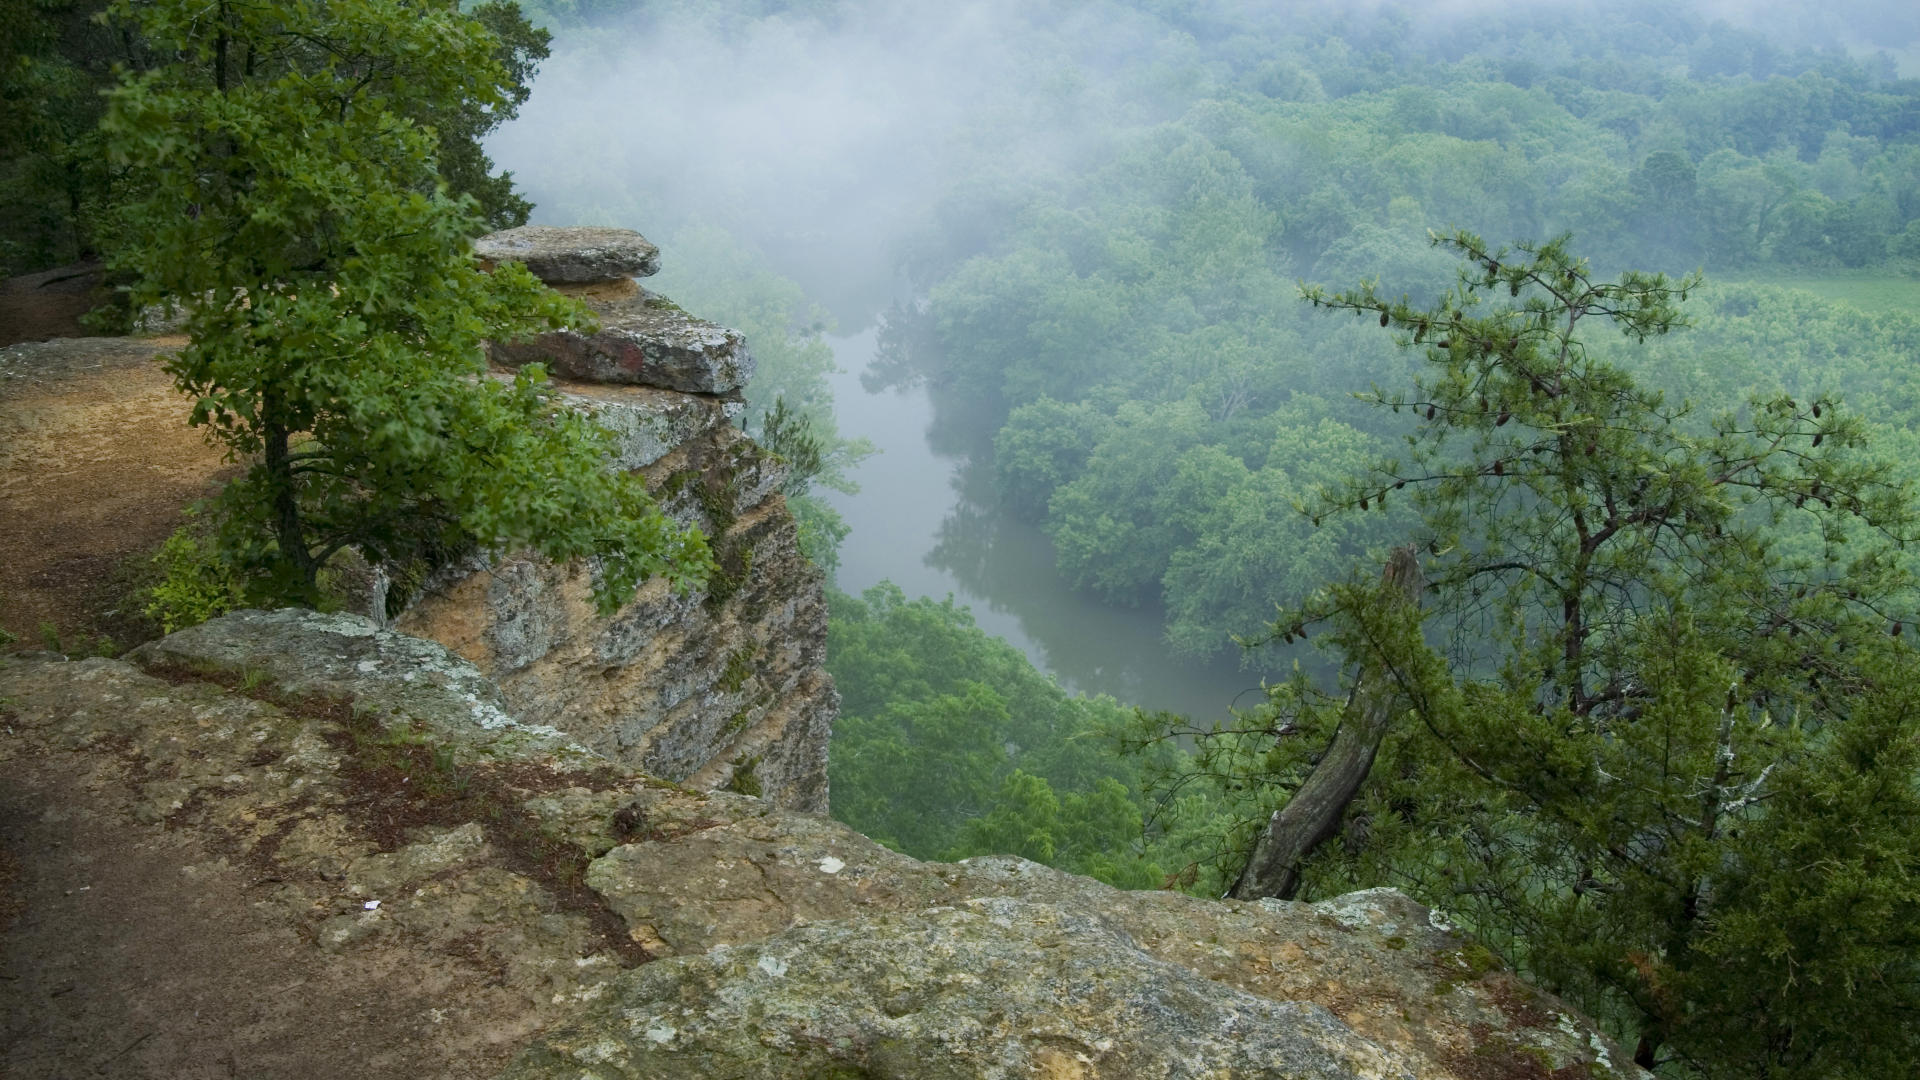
pixel 645 340
pixel 573 254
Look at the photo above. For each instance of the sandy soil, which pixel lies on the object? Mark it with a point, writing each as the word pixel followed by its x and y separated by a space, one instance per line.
pixel 96 465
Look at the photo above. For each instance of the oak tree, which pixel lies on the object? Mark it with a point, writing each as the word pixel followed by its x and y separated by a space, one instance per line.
pixel 284 193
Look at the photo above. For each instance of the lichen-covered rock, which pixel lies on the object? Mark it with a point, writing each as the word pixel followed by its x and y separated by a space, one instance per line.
pixel 691 882
pixel 645 340
pixel 572 254
pixel 392 678
pixel 989 988
pixel 648 423
pixel 1394 971
pixel 698 874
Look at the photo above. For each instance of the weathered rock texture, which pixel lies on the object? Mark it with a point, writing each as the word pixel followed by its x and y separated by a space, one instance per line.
pixel 781 944
pixel 992 987
pixel 644 339
pixel 572 254
pixel 724 687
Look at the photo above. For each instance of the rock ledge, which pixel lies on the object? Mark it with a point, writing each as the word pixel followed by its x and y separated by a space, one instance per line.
pixel 645 340
pixel 572 254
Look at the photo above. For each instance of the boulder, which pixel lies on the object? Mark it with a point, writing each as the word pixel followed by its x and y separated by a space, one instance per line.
pixel 994 987
pixel 566 255
pixel 646 340
pixel 393 679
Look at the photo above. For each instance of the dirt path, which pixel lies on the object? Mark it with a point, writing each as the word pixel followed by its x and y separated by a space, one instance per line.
pixel 96 463
pixel 141 948
pixel 137 948
pixel 141 943
pixel 138 952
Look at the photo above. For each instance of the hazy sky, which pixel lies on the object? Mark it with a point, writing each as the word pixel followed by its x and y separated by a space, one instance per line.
pixel 809 140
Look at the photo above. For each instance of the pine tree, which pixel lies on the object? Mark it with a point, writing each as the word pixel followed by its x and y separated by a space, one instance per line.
pixel 1655 738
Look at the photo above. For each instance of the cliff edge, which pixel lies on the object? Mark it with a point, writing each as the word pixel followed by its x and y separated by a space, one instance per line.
pixel 723 687
pixel 427 884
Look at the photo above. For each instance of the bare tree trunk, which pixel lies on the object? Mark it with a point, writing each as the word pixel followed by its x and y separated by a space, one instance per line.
pixel 1313 815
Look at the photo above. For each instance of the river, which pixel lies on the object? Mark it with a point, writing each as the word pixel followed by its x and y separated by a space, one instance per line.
pixel 922 521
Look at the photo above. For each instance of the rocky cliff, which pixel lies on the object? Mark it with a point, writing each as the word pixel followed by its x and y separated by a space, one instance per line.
pixel 504 897
pixel 719 688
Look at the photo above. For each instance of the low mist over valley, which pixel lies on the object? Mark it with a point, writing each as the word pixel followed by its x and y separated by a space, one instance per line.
pixel 1056 252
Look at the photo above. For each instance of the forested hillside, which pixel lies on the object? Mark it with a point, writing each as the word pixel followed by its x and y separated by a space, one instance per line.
pixel 1105 272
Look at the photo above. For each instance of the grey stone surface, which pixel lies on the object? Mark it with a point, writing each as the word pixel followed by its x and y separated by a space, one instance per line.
pixel 394 678
pixel 692 875
pixel 40 362
pixel 646 422
pixel 645 340
pixel 721 875
pixel 993 987
pixel 565 255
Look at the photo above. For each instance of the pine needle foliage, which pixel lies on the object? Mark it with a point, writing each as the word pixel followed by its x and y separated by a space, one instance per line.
pixel 1660 728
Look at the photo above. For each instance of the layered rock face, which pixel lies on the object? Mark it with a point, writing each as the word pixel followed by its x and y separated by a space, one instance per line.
pixel 721 688
pixel 387 800
pixel 644 339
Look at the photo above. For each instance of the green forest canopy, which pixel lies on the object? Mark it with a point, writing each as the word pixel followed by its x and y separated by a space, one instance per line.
pixel 1108 257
